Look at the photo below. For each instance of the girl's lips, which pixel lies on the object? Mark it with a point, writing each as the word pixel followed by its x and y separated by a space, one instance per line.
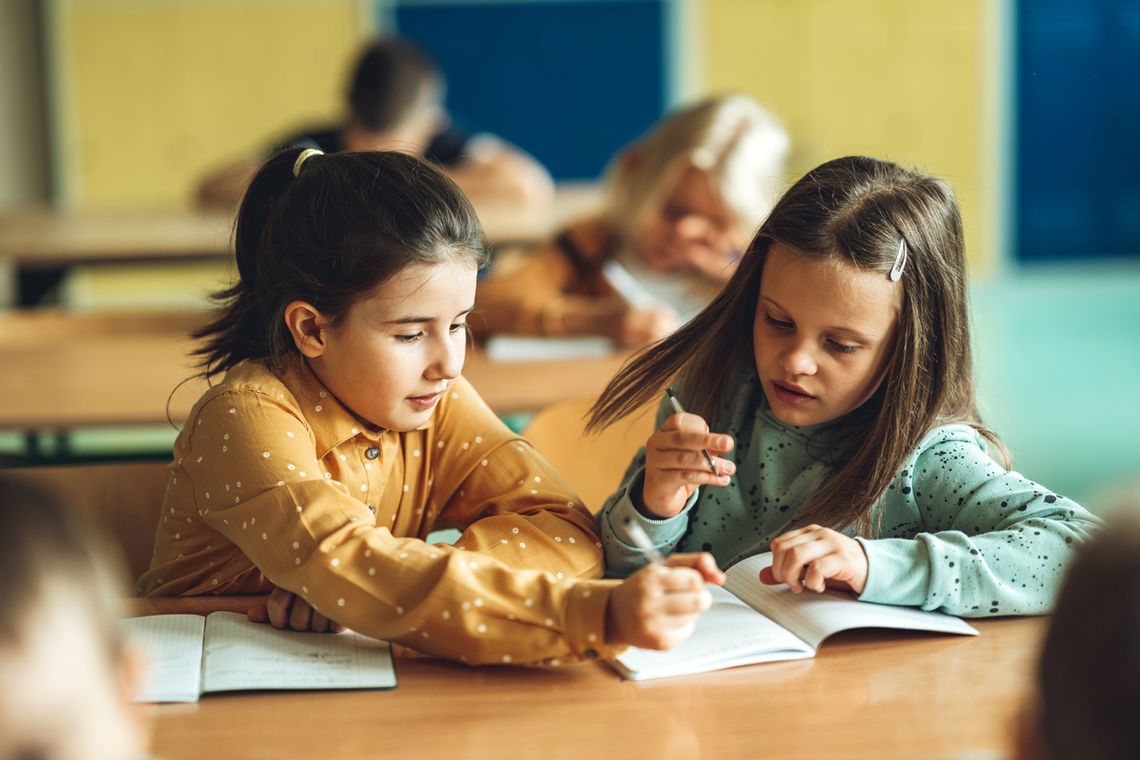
pixel 790 395
pixel 425 402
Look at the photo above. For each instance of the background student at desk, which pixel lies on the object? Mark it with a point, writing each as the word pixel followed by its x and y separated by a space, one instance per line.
pixel 681 204
pixel 394 101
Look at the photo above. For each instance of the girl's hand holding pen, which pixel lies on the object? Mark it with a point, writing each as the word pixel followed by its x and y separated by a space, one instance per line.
pixel 675 465
pixel 657 607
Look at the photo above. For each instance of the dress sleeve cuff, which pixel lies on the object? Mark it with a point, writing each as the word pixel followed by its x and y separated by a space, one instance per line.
pixel 898 571
pixel 586 605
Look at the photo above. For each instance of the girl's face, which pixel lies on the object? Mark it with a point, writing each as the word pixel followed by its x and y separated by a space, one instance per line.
pixel 394 355
pixel 823 335
pixel 692 230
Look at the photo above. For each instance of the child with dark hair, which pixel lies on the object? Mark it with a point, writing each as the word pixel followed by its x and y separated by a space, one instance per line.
pixel 835 369
pixel 1088 677
pixel 66 676
pixel 343 433
pixel 395 101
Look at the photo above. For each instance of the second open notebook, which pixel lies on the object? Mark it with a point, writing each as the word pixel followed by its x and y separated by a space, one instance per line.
pixel 190 655
pixel 750 622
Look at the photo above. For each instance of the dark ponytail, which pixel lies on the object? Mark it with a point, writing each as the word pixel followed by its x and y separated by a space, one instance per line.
pixel 346 224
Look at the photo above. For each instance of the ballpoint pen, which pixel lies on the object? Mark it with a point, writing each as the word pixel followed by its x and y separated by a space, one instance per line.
pixel 641 540
pixel 681 410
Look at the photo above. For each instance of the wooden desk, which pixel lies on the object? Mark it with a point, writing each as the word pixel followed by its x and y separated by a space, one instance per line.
pixel 46 240
pixel 873 694
pixel 38 238
pixel 126 379
pixel 42 238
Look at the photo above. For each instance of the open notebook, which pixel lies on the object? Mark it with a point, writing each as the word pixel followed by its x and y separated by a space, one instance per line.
pixel 190 655
pixel 750 622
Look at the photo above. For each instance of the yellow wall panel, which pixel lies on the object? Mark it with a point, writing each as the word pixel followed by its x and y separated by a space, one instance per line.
pixel 897 79
pixel 152 94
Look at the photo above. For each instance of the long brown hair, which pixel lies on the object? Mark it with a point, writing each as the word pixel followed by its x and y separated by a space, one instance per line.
pixel 853 209
pixel 345 224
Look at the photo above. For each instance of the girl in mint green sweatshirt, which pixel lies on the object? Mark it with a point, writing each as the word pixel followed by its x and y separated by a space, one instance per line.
pixel 832 384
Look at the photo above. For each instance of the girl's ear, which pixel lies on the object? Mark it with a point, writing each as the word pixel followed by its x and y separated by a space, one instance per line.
pixel 306 324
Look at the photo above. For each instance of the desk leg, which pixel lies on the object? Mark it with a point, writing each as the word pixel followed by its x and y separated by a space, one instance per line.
pixel 32 444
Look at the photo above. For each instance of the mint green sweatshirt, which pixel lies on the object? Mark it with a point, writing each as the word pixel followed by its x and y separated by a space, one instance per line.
pixel 960 533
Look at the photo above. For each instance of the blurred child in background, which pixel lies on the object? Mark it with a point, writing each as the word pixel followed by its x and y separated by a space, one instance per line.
pixel 66 678
pixel 395 101
pixel 1088 677
pixel 681 205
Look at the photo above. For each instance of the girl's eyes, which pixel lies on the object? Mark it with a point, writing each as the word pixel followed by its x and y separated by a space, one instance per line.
pixel 778 324
pixel 843 348
pixel 412 338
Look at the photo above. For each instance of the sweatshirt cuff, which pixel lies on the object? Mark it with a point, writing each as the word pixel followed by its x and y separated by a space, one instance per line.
pixel 662 532
pixel 898 571
pixel 585 616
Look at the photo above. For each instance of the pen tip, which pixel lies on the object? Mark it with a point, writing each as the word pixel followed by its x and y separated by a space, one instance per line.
pixel 669 392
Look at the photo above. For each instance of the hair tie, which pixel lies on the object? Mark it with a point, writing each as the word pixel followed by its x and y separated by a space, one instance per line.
pixel 900 261
pixel 305 155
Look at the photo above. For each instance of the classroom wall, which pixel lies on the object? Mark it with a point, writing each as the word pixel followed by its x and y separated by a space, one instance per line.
pixel 502 58
pixel 23 146
pixel 150 94
pixel 1057 356
pixel 899 79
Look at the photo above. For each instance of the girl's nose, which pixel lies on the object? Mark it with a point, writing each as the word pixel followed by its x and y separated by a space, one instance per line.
pixel 798 360
pixel 447 362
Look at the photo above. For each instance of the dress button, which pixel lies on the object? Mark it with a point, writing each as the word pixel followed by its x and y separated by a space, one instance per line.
pixel 372 453
pixel 591 653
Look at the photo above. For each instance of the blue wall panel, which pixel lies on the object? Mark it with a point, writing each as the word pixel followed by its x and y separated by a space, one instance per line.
pixel 570 82
pixel 1078 132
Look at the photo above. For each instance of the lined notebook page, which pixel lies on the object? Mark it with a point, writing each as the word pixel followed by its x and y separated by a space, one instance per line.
pixel 241 655
pixel 171 646
pixel 729 633
pixel 813 617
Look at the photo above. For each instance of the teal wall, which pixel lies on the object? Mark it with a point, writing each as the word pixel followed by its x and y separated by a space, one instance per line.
pixel 1058 368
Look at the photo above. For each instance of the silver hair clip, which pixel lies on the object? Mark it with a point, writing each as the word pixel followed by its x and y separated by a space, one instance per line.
pixel 306 154
pixel 900 261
